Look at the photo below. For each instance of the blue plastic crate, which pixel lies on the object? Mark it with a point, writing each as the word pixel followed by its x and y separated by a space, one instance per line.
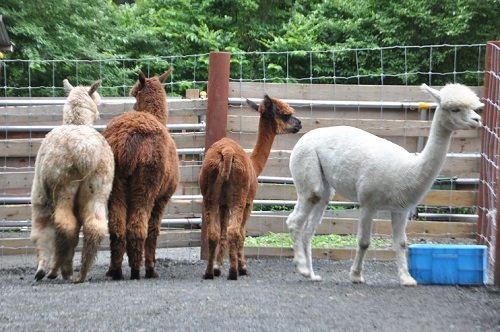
pixel 448 264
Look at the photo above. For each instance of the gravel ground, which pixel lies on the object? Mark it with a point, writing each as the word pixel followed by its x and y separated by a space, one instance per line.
pixel 273 298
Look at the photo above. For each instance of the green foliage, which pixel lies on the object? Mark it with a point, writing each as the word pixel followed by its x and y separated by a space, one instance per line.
pixel 318 34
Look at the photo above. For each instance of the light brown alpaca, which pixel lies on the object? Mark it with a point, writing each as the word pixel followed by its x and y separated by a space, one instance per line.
pixel 228 182
pixel 146 176
pixel 73 178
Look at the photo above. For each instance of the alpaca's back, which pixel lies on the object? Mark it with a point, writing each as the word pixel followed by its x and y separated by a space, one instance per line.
pixel 349 159
pixel 139 140
pixel 241 181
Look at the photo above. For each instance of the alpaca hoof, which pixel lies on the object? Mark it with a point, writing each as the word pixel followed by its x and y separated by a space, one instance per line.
pixel 315 277
pixel 408 281
pixel 243 271
pixel 39 275
pixel 79 280
pixel 357 278
pixel 303 270
pixel 115 274
pixel 135 274
pixel 52 275
pixel 233 274
pixel 151 273
pixel 217 272
pixel 208 276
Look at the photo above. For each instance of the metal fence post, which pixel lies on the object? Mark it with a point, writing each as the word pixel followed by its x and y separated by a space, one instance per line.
pixel 216 119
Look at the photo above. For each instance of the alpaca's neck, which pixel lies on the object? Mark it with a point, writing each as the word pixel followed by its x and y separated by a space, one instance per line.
pixel 431 159
pixel 265 139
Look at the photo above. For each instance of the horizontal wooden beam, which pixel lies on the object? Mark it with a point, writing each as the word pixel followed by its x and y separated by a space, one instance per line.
pixel 166 239
pixel 264 224
pixel 331 254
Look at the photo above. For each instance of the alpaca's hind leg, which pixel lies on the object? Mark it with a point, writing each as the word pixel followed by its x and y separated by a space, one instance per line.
pixel 235 241
pixel 296 222
pixel 399 220
pixel 93 216
pixel 221 250
pixel 67 266
pixel 242 264
pixel 117 228
pixel 43 236
pixel 66 226
pixel 153 232
pixel 211 215
pixel 364 238
pixel 313 221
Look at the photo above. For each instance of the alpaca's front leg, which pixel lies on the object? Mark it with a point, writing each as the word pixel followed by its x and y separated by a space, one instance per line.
pixel 364 235
pixel 399 221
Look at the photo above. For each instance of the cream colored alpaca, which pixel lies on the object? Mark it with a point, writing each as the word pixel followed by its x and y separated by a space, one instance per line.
pixel 73 178
pixel 378 174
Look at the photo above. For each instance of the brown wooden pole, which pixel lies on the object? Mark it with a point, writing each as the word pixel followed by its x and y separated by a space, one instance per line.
pixel 483 201
pixel 492 93
pixel 216 118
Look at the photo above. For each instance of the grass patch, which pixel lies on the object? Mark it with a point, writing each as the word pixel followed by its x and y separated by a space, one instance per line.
pixel 318 241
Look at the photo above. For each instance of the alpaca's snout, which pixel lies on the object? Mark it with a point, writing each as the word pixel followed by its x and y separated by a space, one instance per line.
pixel 297 127
pixel 476 120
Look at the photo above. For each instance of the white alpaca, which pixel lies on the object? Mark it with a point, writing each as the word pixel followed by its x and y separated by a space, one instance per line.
pixel 379 174
pixel 73 178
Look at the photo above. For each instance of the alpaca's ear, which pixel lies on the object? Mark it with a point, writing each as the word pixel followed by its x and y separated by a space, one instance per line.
pixel 253 104
pixel 268 111
pixel 165 74
pixel 94 87
pixel 142 79
pixel 433 92
pixel 67 86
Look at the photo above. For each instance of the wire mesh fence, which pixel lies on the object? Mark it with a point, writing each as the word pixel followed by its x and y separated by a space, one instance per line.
pixel 488 230
pixel 372 88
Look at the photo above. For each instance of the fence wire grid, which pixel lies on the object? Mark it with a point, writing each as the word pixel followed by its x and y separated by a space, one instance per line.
pixel 407 66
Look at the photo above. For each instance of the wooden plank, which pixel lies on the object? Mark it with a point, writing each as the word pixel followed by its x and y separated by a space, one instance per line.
pixel 451 198
pixel 167 239
pixel 386 128
pixel 333 91
pixel 24 147
pixel 264 224
pixel 287 142
pixel 24 179
pixel 331 254
pixel 109 107
pixel 465 166
pixel 175 209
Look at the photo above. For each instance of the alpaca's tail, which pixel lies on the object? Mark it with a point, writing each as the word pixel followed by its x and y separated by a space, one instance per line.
pixel 226 163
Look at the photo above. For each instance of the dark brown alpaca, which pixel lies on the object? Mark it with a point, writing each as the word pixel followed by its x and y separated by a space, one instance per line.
pixel 228 182
pixel 146 176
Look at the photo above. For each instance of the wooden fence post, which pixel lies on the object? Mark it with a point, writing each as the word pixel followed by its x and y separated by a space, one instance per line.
pixel 490 148
pixel 216 119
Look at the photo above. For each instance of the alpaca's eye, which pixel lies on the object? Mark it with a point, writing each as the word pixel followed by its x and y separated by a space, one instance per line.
pixel 455 110
pixel 286 117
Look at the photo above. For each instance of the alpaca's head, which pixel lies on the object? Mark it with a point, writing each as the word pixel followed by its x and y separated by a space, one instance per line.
pixel 150 96
pixel 279 113
pixel 81 105
pixel 457 106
